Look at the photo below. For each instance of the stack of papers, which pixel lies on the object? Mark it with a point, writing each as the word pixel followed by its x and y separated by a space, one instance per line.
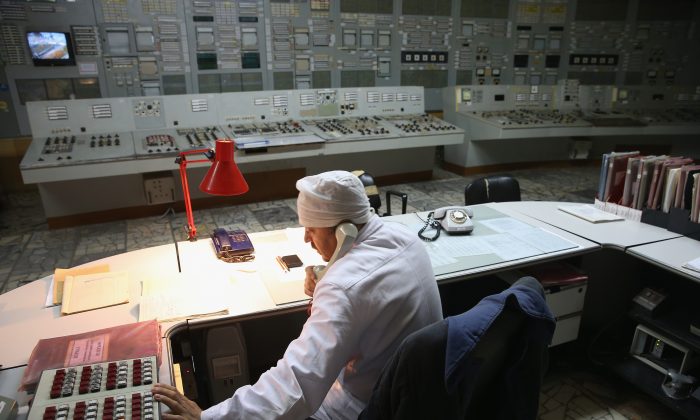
pixel 94 291
pixel 693 265
pixel 590 213
pixel 60 274
pixel 183 297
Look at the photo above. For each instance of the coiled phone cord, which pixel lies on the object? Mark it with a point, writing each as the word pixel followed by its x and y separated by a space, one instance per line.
pixel 433 224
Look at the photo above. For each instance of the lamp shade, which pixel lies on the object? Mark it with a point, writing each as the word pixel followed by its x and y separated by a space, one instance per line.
pixel 224 177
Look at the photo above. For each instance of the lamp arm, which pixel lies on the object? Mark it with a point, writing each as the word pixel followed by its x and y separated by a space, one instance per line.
pixel 182 161
pixel 191 229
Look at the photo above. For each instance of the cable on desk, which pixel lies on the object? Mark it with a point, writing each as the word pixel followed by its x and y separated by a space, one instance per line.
pixel 171 212
pixel 430 223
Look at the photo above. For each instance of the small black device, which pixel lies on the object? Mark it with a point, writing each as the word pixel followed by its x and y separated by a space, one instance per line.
pixel 290 261
pixel 234 246
pixel 649 299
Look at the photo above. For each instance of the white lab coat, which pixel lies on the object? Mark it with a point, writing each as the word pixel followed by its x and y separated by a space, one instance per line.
pixel 367 303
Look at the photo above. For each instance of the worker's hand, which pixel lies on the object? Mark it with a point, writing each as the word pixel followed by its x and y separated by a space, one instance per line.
pixel 310 281
pixel 181 407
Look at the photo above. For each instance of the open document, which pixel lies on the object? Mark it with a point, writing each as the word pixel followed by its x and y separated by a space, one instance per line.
pixel 93 291
pixel 589 213
pixel 510 240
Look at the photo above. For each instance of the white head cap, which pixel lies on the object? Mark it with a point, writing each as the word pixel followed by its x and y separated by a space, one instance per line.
pixel 327 199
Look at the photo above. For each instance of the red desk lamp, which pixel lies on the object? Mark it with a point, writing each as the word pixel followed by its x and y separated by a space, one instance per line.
pixel 223 178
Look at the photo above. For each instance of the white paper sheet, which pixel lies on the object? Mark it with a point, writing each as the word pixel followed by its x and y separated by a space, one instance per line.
pixel 545 241
pixel 184 297
pixel 509 248
pixel 693 265
pixel 505 225
pixel 448 248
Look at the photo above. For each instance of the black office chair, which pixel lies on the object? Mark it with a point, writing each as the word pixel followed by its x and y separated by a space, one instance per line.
pixel 483 383
pixel 494 188
pixel 375 200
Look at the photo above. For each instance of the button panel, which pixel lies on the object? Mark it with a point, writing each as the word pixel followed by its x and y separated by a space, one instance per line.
pixel 104 391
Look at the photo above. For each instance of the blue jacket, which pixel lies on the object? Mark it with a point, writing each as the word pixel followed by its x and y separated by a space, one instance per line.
pixel 435 371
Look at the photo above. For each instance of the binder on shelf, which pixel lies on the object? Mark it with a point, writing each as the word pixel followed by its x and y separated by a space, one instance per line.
pixel 615 181
pixel 670 187
pixel 685 186
pixel 653 184
pixel 633 165
pixel 603 175
pixel 644 177
pixel 695 206
pixel 659 184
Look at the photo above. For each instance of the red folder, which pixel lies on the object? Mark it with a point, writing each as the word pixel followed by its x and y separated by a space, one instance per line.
pixel 556 274
pixel 122 342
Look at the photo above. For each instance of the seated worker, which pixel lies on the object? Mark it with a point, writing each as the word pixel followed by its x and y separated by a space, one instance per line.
pixel 367 302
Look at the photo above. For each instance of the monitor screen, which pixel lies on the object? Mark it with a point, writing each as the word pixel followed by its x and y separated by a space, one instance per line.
pixel 50 48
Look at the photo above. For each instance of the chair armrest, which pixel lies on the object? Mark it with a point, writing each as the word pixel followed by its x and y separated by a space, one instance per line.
pixel 404 201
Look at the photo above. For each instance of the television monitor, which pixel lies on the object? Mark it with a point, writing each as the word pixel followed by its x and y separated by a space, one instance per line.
pixel 50 48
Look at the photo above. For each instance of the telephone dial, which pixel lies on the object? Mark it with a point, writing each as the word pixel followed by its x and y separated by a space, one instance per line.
pixel 345 234
pixel 453 220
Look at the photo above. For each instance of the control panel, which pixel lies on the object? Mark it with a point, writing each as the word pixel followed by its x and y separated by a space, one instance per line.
pixel 76 148
pixel 169 142
pixel 69 133
pixel 418 125
pixel 62 49
pixel 572 105
pixel 110 390
pixel 352 128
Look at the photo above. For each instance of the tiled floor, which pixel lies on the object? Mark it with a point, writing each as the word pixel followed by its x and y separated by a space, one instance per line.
pixel 29 250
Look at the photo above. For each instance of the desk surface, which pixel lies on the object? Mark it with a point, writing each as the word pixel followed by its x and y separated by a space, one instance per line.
pixel 671 255
pixel 619 234
pixel 25 320
pixel 471 266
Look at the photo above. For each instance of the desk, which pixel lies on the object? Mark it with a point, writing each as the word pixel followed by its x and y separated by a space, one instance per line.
pixel 469 268
pixel 671 255
pixel 619 235
pixel 24 318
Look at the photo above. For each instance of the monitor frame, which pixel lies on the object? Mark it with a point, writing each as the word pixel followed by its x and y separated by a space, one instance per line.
pixel 50 62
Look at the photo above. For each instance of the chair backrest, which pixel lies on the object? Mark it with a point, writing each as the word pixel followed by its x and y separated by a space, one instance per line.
pixel 493 351
pixel 499 379
pixel 494 188
pixel 375 200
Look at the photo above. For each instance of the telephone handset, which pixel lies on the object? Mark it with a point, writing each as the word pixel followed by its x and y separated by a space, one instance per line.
pixel 345 234
pixel 454 220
